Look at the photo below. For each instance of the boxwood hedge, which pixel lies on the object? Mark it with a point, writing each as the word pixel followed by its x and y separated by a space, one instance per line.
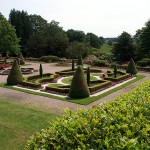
pixel 123 124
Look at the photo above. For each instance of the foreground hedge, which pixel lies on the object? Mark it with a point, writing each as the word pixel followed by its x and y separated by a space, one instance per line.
pixel 123 124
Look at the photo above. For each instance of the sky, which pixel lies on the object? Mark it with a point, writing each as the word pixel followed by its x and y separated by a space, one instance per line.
pixel 106 18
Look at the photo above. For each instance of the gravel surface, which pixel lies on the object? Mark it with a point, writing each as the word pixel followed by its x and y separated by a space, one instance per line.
pixel 50 103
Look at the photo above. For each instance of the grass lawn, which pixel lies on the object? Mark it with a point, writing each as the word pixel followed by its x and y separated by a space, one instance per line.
pixel 105 48
pixel 18 123
pixel 69 79
pixel 84 101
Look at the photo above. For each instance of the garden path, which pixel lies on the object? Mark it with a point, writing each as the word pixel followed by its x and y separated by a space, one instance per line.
pixel 50 103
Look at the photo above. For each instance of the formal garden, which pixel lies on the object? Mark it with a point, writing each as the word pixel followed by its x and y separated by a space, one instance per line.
pixel 63 90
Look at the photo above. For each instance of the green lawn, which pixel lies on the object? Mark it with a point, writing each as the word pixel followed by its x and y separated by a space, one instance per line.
pixel 69 79
pixel 18 123
pixel 105 48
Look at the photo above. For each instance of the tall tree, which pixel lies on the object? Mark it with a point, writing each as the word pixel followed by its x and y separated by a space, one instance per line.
pixel 93 40
pixel 75 35
pixel 8 39
pixel 77 49
pixel 124 49
pixel 142 39
pixel 21 21
pixel 39 24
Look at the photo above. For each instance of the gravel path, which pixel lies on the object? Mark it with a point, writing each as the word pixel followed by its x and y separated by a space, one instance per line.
pixel 50 103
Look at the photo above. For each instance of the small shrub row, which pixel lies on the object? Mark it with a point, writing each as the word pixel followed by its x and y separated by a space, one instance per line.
pixel 100 63
pixel 120 124
pixel 117 79
pixel 37 83
pixel 49 58
pixel 144 62
pixel 100 85
pixel 58 88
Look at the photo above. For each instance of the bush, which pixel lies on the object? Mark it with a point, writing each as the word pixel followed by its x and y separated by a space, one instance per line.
pixel 131 67
pixel 100 85
pixel 22 61
pixel 15 77
pixel 120 124
pixel 49 58
pixel 79 87
pixel 144 62
pixel 37 80
pixel 80 61
pixel 59 88
pixel 100 63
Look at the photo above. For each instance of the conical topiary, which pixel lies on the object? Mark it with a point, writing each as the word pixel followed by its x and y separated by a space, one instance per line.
pixel 15 76
pixel 115 70
pixel 80 61
pixel 41 71
pixel 72 64
pixel 22 61
pixel 88 76
pixel 79 87
pixel 131 67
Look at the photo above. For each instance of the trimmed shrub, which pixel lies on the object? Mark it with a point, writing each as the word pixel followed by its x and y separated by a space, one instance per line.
pixel 101 84
pixel 79 87
pixel 22 61
pixel 59 88
pixel 115 70
pixel 80 61
pixel 49 58
pixel 41 71
pixel 101 63
pixel 88 76
pixel 15 77
pixel 72 64
pixel 131 67
pixel 144 62
pixel 120 124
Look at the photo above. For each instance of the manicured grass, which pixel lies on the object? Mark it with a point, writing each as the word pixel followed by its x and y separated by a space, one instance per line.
pixel 69 80
pixel 18 123
pixel 84 101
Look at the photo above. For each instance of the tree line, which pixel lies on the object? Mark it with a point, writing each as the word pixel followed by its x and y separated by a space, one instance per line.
pixel 36 37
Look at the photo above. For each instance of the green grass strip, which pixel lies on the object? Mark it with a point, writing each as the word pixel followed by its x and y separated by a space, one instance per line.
pixel 82 101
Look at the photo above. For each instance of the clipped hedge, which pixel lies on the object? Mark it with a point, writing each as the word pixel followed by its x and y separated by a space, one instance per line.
pixel 59 88
pixel 117 79
pixel 144 62
pixel 120 124
pixel 37 83
pixel 102 84
pixel 100 63
pixel 49 58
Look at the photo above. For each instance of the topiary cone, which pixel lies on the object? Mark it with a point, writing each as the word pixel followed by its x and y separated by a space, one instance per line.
pixel 22 61
pixel 15 76
pixel 131 67
pixel 41 71
pixel 72 64
pixel 80 61
pixel 88 76
pixel 79 87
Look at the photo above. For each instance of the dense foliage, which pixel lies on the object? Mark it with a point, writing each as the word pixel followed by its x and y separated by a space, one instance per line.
pixel 124 49
pixel 15 77
pixel 142 39
pixel 121 124
pixel 80 61
pixel 8 39
pixel 79 87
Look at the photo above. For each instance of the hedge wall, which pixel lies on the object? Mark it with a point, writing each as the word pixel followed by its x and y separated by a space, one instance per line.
pixel 123 124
